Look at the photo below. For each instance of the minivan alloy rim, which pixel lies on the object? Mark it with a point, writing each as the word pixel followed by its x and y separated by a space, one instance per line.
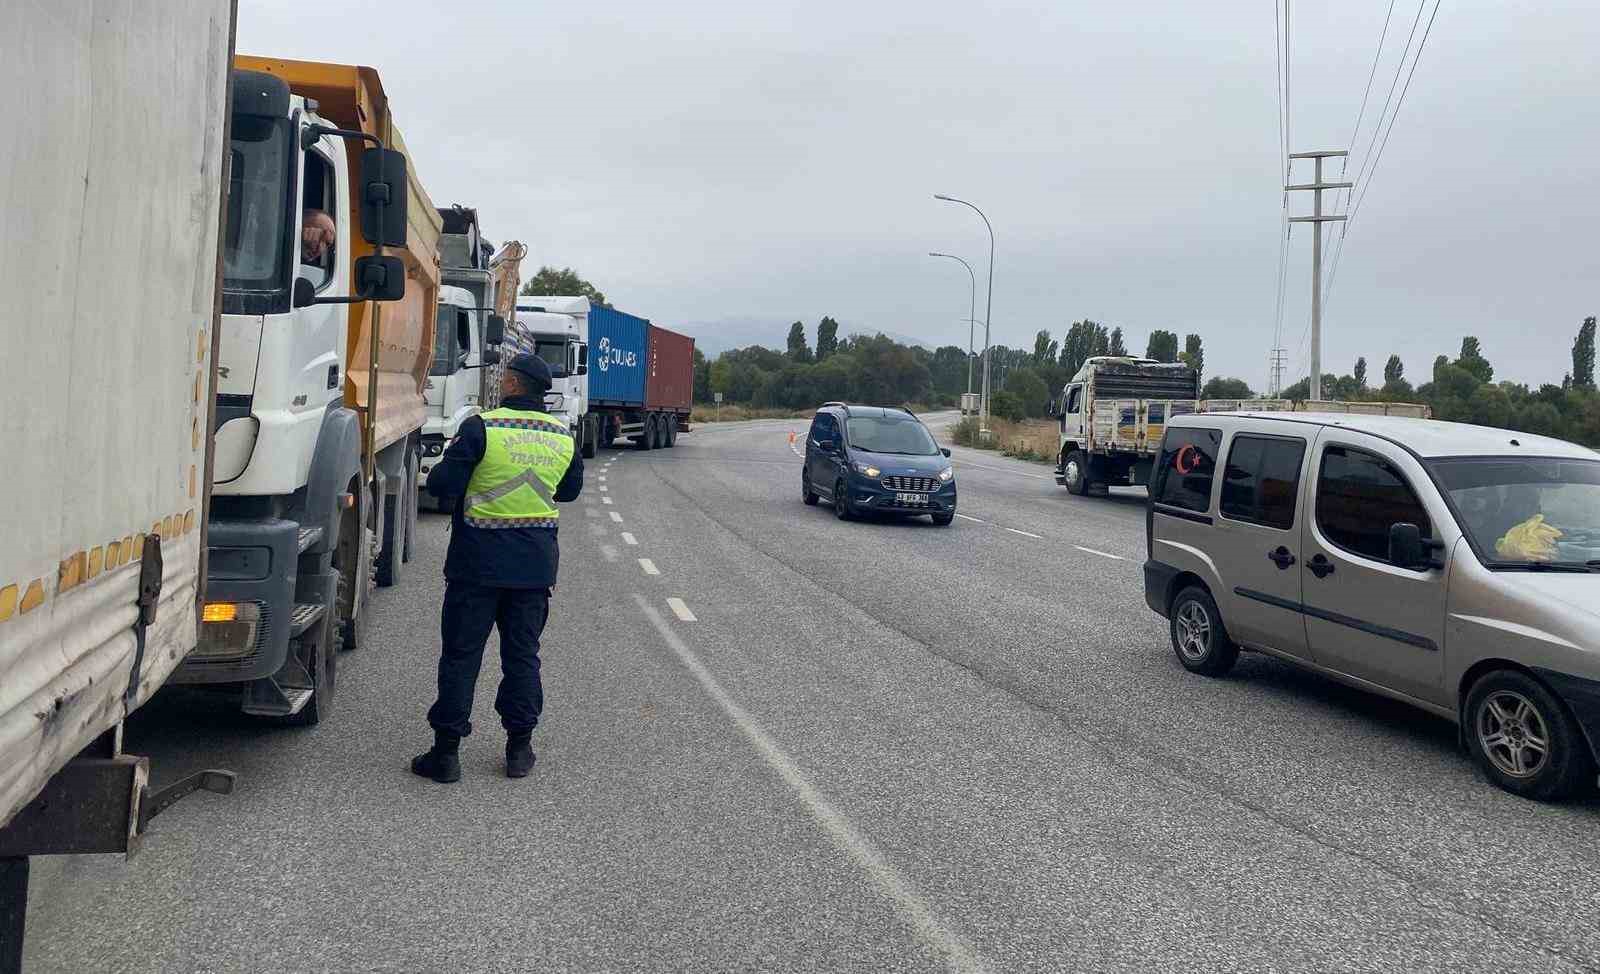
pixel 1194 631
pixel 1513 734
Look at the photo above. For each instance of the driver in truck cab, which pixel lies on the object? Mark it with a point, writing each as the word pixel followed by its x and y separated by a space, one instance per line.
pixel 317 235
pixel 502 476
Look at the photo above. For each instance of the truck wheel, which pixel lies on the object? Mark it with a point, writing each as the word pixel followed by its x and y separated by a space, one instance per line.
pixel 392 542
pixel 1524 739
pixel 413 502
pixel 671 420
pixel 1075 472
pixel 319 654
pixel 591 438
pixel 353 557
pixel 647 435
pixel 1198 636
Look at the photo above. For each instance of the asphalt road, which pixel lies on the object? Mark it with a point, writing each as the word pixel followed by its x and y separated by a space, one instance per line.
pixel 775 741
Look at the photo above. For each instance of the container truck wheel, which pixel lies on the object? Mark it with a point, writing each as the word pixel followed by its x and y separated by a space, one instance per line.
pixel 647 434
pixel 591 438
pixel 672 429
pixel 318 651
pixel 1075 472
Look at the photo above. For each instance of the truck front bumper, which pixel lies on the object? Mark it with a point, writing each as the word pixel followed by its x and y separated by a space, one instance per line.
pixel 251 566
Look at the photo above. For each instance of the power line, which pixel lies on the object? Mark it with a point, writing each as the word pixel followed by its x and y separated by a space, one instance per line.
pixel 1354 211
pixel 1356 129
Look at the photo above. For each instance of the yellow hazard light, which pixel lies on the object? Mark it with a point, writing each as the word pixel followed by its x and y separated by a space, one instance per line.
pixel 219 612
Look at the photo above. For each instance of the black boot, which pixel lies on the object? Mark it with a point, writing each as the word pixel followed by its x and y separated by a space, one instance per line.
pixel 519 755
pixel 442 762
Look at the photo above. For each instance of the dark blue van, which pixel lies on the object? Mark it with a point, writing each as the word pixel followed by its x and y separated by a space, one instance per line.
pixel 866 459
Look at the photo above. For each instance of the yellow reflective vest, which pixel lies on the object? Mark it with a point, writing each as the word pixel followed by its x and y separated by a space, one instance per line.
pixel 524 457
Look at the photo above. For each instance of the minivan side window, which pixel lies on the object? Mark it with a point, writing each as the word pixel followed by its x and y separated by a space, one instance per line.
pixel 823 428
pixel 1261 480
pixel 1359 494
pixel 1188 463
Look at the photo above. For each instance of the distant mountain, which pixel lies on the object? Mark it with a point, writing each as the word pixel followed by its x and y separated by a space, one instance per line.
pixel 713 338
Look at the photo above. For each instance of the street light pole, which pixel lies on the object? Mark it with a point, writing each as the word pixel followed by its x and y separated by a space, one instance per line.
pixel 988 311
pixel 972 309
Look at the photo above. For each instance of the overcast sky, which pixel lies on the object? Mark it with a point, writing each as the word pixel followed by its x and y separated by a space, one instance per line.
pixel 704 161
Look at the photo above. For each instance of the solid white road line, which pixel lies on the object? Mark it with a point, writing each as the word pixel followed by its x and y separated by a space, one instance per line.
pixel 649 566
pixel 609 551
pixel 1019 473
pixel 1026 534
pixel 616 517
pixel 680 610
pixel 966 517
pixel 628 538
pixel 959 955
pixel 1102 554
pixel 606 499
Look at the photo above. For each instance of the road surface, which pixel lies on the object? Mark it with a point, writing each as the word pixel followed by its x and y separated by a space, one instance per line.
pixel 775 741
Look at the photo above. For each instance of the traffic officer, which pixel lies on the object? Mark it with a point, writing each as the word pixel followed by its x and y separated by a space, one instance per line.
pixel 504 474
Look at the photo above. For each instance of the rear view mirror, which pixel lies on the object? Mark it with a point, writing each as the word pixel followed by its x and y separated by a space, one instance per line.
pixel 380 278
pixel 583 360
pixel 1405 546
pixel 825 445
pixel 945 450
pixel 305 293
pixel 461 360
pixel 495 331
pixel 490 356
pixel 389 191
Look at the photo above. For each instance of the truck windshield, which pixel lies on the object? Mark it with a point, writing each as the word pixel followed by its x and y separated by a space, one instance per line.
pixel 445 344
pixel 255 247
pixel 1522 513
pixel 554 353
pixel 888 434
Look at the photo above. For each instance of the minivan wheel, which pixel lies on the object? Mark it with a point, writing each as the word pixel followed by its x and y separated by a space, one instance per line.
pixel 806 493
pixel 1524 739
pixel 1198 636
pixel 1075 472
pixel 841 502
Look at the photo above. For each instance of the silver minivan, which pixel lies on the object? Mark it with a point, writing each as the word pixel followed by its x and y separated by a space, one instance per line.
pixel 1453 567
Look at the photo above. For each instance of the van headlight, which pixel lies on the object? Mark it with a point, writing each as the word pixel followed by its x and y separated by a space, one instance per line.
pixel 866 469
pixel 947 474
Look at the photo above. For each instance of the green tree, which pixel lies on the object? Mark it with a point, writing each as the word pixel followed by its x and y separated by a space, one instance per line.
pixel 1361 372
pixel 1163 346
pixel 702 377
pixel 1029 388
pixel 799 351
pixel 1583 356
pixel 1473 361
pixel 1220 388
pixel 1083 339
pixel 1041 347
pixel 827 337
pixel 1114 344
pixel 565 282
pixel 1393 371
pixel 1194 354
pixel 1007 405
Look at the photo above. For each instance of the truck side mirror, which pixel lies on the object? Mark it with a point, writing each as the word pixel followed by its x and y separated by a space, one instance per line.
pixel 1405 546
pixel 390 192
pixel 304 294
pixel 380 278
pixel 490 356
pixel 583 360
pixel 495 331
pixel 461 361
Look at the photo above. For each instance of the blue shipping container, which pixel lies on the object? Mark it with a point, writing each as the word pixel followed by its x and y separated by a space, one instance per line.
pixel 617 357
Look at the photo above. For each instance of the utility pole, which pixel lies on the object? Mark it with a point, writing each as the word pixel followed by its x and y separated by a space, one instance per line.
pixel 1316 220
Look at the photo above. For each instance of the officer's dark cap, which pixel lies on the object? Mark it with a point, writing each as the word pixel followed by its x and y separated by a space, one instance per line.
pixel 533 368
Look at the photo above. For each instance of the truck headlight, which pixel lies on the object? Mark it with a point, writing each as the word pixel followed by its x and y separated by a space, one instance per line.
pixel 947 474
pixel 866 469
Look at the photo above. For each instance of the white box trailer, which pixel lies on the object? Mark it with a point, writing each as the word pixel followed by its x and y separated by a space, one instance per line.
pixel 111 177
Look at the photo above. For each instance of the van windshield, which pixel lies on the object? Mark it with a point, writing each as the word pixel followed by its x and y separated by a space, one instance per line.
pixel 890 434
pixel 1523 513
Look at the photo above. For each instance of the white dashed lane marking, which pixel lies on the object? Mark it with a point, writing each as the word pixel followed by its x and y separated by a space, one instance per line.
pixel 680 610
pixel 649 566
pixel 604 488
pixel 605 500
pixel 1026 534
pixel 609 551
pixel 1102 554
pixel 616 517
pixel 968 517
pixel 628 538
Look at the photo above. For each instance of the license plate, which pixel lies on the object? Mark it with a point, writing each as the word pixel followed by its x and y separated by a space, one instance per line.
pixel 911 500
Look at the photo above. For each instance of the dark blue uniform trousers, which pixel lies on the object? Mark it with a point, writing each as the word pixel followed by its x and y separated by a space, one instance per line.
pixel 470 611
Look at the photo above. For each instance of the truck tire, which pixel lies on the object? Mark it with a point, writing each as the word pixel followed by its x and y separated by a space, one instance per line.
pixel 320 655
pixel 352 558
pixel 413 503
pixel 590 438
pixel 672 430
pixel 647 434
pixel 1075 472
pixel 391 542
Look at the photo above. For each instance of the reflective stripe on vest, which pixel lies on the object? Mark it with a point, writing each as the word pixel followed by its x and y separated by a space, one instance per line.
pixel 525 455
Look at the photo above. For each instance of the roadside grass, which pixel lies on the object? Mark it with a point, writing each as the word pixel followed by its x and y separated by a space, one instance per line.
pixel 1032 439
pixel 734 413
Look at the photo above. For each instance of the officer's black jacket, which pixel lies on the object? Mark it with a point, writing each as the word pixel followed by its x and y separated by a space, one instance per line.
pixel 497 557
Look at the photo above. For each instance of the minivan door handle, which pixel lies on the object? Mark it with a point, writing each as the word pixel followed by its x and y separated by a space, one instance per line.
pixel 1320 566
pixel 1282 557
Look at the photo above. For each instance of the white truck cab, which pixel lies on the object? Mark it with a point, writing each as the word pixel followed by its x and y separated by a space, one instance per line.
pixel 466 342
pixel 558 329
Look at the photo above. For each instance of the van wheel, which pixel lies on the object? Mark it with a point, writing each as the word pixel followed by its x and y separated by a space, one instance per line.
pixel 806 493
pixel 1198 636
pixel 841 502
pixel 1524 739
pixel 1075 472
